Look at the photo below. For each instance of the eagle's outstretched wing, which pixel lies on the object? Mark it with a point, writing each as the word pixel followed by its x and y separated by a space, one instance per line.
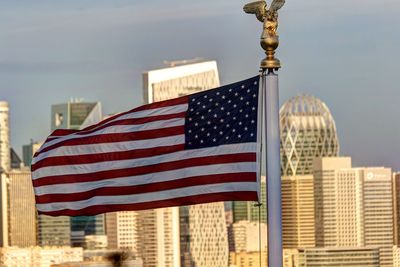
pixel 258 8
pixel 276 5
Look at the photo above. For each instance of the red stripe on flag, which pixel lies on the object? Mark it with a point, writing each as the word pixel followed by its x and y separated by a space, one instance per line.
pixel 110 156
pixel 191 200
pixel 148 188
pixel 166 166
pixel 62 132
pixel 117 137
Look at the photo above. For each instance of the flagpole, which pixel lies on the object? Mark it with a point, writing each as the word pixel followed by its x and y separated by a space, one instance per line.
pixel 269 65
pixel 274 206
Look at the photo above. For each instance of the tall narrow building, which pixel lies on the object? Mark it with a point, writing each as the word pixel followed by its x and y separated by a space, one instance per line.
pixel 307 131
pixel 56 231
pixel 21 209
pixel 121 229
pixel 396 203
pixel 186 236
pixel 353 206
pixel 18 211
pixel 5 161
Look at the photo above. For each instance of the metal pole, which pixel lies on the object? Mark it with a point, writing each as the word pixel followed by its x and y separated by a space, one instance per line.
pixel 269 42
pixel 274 207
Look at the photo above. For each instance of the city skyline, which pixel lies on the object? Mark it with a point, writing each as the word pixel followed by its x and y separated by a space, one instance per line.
pixel 97 50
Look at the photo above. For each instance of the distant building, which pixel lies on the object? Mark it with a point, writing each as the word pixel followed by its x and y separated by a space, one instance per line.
pixel 127 263
pixel 248 259
pixel 185 236
pixel 298 211
pixel 28 151
pixel 396 197
pixel 62 230
pixel 15 160
pixel 307 131
pixel 353 206
pixel 121 228
pixel 346 256
pixel 250 211
pixel 39 257
pixel 171 82
pixel 82 226
pixel 75 115
pixel 22 210
pixel 5 161
pixel 245 236
pixel 18 214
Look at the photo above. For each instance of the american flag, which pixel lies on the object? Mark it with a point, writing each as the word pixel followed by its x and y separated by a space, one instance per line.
pixel 190 150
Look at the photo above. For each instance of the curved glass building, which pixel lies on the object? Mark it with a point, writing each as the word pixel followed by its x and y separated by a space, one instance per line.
pixel 307 131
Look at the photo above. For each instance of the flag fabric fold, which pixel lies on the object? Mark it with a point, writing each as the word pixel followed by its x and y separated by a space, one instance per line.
pixel 195 149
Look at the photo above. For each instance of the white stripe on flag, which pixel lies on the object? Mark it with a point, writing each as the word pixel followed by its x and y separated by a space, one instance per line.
pixel 147 178
pixel 122 164
pixel 147 197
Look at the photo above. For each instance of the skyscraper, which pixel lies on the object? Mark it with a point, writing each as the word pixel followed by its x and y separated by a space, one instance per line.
pixel 121 229
pixel 186 236
pixel 307 131
pixel 65 230
pixel 21 209
pixel 353 206
pixel 18 211
pixel 75 114
pixel 396 203
pixel 28 151
pixel 5 163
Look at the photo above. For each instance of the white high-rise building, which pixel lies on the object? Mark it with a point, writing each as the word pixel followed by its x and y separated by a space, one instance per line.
pixel 5 163
pixel 186 236
pixel 18 211
pixel 353 206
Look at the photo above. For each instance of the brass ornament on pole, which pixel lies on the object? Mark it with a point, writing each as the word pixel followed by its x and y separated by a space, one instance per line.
pixel 269 38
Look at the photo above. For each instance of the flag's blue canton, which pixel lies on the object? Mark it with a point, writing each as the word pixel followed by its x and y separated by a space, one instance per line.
pixel 226 115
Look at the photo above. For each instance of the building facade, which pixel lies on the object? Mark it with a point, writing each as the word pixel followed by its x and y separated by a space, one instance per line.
pixel 5 162
pixel 307 131
pixel 396 203
pixel 38 257
pixel 121 228
pixel 245 236
pixel 75 115
pixel 338 257
pixel 28 151
pixel 354 206
pixel 21 209
pixel 298 211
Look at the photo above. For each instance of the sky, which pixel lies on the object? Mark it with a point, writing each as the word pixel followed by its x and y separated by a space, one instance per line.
pixel 344 52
